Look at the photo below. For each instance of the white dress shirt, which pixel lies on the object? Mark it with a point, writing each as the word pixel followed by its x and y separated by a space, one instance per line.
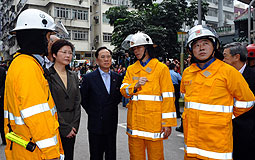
pixel 242 69
pixel 106 76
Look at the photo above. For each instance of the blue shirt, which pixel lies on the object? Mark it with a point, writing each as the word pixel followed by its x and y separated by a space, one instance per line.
pixel 175 77
pixel 106 76
pixel 207 64
pixel 145 63
pixel 39 58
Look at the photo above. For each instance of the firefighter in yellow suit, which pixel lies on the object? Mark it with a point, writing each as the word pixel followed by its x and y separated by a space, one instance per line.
pixel 215 92
pixel 151 110
pixel 30 111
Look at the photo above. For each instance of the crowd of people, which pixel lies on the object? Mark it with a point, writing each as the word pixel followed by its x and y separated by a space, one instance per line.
pixel 85 69
pixel 43 97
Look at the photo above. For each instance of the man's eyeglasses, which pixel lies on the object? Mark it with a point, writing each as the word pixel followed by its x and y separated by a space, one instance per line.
pixel 104 57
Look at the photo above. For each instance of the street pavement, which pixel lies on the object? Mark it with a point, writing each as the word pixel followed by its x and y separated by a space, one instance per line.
pixel 173 146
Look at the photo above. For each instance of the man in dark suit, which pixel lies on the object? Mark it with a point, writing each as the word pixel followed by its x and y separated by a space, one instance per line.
pixel 235 54
pixel 2 81
pixel 101 95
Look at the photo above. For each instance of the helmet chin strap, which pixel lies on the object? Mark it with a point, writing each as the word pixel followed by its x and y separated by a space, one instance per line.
pixel 143 54
pixel 203 61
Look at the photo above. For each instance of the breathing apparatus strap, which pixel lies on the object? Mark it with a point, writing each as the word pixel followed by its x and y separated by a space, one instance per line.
pixel 45 71
pixel 10 130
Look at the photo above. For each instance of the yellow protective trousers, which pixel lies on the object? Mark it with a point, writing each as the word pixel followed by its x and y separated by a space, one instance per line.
pixel 137 147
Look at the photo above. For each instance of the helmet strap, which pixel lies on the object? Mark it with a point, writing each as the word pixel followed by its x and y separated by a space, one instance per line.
pixel 203 61
pixel 143 54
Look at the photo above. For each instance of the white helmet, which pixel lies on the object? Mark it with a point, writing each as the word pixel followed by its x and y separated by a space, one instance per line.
pixel 201 31
pixel 126 43
pixel 140 39
pixel 34 19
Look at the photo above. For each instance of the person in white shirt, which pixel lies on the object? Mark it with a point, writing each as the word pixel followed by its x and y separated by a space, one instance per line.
pixel 100 91
pixel 235 54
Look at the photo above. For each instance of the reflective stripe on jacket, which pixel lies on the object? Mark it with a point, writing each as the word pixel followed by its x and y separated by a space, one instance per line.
pixel 212 96
pixel 30 110
pixel 152 106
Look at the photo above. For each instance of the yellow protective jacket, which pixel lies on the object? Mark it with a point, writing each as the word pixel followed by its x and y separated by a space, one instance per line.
pixel 212 97
pixel 151 107
pixel 30 110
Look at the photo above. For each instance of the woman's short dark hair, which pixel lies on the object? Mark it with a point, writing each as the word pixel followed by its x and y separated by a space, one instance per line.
pixel 101 48
pixel 59 44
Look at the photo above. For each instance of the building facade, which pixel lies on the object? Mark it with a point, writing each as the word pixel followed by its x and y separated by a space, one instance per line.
pixel 220 16
pixel 85 21
pixel 87 24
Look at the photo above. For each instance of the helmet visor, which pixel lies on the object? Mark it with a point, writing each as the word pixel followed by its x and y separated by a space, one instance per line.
pixel 126 43
pixel 60 29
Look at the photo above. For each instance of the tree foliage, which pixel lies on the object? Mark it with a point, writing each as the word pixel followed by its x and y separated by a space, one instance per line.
pixel 142 4
pixel 160 21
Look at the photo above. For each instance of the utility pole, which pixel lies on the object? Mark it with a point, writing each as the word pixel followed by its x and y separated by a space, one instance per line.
pixel 249 22
pixel 181 38
pixel 199 12
pixel 220 13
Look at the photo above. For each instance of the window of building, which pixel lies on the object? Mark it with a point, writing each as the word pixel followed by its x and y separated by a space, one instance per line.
pixel 107 37
pixel 80 35
pixel 212 24
pixel 65 36
pixel 228 3
pixel 74 14
pixel 124 2
pixel 212 12
pixel 107 1
pixel 229 15
pixel 213 1
pixel 61 12
pixel 68 13
pixel 77 56
pixel 105 20
pixel 116 2
pixel 80 14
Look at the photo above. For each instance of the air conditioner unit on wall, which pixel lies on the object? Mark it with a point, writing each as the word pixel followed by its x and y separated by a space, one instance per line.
pixel 96 40
pixel 80 1
pixel 96 17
